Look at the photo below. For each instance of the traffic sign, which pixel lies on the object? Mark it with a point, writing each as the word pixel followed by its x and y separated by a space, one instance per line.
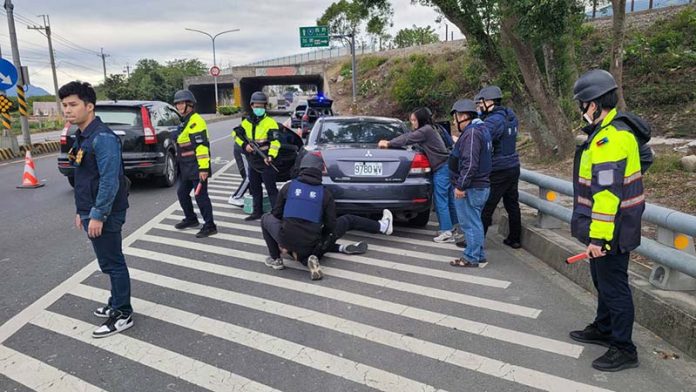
pixel 8 74
pixel 314 36
pixel 215 71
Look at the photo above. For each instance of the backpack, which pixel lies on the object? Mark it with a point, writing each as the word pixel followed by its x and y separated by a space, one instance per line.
pixel 443 129
pixel 642 131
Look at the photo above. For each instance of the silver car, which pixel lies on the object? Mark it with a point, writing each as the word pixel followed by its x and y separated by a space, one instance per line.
pixel 365 179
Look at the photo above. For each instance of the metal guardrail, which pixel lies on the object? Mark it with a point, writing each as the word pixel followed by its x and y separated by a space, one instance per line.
pixel 673 251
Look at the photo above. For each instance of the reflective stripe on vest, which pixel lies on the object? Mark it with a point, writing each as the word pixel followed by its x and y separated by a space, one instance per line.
pixel 304 201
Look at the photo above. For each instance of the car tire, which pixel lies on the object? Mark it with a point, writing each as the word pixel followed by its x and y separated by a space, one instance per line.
pixel 168 177
pixel 71 181
pixel 420 220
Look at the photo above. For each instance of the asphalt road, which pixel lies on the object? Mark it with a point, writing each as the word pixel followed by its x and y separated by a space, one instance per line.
pixel 210 316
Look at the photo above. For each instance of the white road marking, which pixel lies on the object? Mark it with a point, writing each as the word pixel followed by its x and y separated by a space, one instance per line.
pixel 438 352
pixel 20 319
pixel 285 349
pixel 166 361
pixel 38 375
pixel 448 321
pixel 436 273
pixel 458 298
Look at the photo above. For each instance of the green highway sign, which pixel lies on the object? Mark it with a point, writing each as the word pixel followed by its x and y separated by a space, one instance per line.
pixel 314 36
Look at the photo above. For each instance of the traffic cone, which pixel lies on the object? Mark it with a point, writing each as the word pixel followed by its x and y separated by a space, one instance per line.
pixel 29 178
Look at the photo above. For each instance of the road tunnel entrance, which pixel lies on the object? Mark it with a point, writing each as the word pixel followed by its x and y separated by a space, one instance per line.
pixel 249 85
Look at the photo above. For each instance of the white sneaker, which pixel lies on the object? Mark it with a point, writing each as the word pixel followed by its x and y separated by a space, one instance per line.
pixel 444 237
pixel 276 264
pixel 388 219
pixel 116 323
pixel 236 201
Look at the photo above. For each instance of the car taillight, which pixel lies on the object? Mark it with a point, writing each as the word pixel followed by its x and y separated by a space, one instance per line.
pixel 420 164
pixel 318 154
pixel 148 129
pixel 64 134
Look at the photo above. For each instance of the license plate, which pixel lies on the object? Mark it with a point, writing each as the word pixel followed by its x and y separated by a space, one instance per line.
pixel 368 169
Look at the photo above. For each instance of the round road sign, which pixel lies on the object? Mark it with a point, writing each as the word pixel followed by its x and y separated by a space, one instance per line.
pixel 215 70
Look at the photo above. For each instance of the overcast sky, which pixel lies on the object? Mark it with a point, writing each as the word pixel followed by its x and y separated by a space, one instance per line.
pixel 129 30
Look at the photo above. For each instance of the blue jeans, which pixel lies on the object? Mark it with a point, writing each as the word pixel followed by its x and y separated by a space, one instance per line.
pixel 469 212
pixel 444 199
pixel 109 253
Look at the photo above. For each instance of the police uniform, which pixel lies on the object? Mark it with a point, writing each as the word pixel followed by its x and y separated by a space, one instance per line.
pixel 608 204
pixel 502 124
pixel 193 157
pixel 262 131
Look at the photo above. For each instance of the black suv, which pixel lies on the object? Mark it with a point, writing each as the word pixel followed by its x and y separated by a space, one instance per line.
pixel 145 128
pixel 316 108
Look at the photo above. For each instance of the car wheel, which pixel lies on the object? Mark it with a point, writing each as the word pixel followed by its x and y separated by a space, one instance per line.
pixel 168 178
pixel 71 181
pixel 420 220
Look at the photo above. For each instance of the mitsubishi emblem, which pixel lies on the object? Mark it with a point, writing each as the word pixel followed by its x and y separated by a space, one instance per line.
pixel 368 154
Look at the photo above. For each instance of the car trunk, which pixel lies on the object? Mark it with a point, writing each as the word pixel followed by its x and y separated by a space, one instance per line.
pixel 366 163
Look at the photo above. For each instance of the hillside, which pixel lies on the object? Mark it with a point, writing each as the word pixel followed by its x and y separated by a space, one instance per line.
pixel 659 73
pixel 659 84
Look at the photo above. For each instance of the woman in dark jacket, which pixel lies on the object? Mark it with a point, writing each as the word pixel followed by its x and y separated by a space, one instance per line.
pixel 428 138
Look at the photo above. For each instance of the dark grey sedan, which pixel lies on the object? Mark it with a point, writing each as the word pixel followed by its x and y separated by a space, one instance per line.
pixel 365 179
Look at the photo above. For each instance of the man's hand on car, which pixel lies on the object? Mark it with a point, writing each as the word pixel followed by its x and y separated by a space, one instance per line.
pixel 383 144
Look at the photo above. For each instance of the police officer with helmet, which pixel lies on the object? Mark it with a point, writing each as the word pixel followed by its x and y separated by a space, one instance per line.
pixel 502 125
pixel 259 130
pixel 607 210
pixel 193 159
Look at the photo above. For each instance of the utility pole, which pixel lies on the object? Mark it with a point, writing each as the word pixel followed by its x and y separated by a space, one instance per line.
pixel 46 31
pixel 127 70
pixel 9 9
pixel 103 57
pixel 353 61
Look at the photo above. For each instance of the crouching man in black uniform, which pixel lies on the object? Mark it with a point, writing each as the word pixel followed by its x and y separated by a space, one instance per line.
pixel 303 221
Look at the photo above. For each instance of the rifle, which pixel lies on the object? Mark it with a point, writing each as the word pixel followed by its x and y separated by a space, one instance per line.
pixel 239 131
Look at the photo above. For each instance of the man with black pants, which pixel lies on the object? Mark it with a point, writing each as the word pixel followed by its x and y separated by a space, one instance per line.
pixel 608 205
pixel 303 222
pixel 502 126
pixel 101 200
pixel 193 158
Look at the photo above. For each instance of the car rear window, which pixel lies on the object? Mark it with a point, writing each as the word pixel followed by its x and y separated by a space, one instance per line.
pixel 360 132
pixel 120 115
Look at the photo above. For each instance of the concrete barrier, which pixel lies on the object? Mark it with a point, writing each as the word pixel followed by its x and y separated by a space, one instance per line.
pixel 36 149
pixel 669 314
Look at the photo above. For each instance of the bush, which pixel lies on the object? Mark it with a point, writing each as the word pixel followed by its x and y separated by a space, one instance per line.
pixel 346 70
pixel 228 110
pixel 369 63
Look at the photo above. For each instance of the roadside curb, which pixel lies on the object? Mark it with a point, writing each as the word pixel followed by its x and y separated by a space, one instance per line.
pixel 36 149
pixel 668 314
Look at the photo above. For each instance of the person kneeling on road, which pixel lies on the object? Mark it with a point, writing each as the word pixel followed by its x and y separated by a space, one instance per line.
pixel 303 221
pixel 470 166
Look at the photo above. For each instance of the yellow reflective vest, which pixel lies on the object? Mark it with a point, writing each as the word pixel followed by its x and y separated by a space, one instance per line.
pixel 193 154
pixel 263 133
pixel 608 186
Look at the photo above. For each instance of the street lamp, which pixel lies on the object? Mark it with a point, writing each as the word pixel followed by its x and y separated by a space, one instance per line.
pixel 212 37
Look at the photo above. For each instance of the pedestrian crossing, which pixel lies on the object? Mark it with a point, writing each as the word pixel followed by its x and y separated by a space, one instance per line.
pixel 209 315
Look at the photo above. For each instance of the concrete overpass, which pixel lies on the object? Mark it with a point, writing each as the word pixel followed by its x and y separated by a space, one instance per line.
pixel 236 84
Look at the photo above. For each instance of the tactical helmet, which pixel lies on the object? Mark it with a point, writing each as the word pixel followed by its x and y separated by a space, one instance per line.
pixel 259 97
pixel 464 106
pixel 184 96
pixel 490 93
pixel 312 161
pixel 593 84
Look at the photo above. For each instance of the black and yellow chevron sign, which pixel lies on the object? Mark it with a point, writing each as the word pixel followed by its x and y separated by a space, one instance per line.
pixel 21 98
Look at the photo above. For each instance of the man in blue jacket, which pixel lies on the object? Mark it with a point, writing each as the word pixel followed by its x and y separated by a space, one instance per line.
pixel 505 175
pixel 101 199
pixel 470 166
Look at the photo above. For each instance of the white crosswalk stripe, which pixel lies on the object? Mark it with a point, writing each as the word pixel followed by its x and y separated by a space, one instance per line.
pixel 38 375
pixel 227 269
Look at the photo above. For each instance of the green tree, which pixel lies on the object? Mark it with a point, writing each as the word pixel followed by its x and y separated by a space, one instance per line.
pixel 415 36
pixel 116 87
pixel 346 17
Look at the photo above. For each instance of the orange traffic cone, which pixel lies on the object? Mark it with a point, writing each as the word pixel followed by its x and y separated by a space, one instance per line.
pixel 29 178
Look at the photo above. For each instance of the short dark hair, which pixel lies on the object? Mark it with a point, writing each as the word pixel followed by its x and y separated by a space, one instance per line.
pixel 83 90
pixel 608 101
pixel 424 116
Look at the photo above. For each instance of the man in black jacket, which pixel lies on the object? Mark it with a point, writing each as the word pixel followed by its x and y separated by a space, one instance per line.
pixel 303 221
